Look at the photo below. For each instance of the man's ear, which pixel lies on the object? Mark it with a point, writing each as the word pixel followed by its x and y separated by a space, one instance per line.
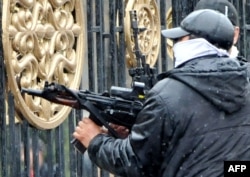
pixel 236 34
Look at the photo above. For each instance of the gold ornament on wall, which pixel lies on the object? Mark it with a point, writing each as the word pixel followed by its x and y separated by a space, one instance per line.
pixel 44 40
pixel 149 40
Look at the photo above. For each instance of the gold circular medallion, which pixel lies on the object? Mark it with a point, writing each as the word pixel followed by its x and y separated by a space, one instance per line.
pixel 43 41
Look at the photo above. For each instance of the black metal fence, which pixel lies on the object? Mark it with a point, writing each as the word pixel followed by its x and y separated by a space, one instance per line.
pixel 106 67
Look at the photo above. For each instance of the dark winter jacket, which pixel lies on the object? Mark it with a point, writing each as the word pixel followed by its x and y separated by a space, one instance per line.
pixel 195 118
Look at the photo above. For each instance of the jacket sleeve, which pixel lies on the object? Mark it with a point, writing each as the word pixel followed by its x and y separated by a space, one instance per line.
pixel 141 151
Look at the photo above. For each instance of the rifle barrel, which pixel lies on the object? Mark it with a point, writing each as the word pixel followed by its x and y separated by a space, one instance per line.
pixel 32 92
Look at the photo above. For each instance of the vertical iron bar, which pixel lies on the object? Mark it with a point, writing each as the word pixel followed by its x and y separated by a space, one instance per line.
pixel 117 45
pixel 52 166
pixel 90 45
pixel 72 152
pixel 3 150
pixel 113 51
pixel 59 139
pixel 3 131
pixel 164 57
pixel 120 44
pixel 26 147
pixel 12 130
pixel 35 151
pixel 17 157
pixel 101 75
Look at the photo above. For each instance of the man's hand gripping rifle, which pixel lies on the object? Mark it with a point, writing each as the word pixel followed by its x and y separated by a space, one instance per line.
pixel 120 106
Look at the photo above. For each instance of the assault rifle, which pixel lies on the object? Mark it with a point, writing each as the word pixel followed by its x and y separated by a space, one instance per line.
pixel 142 72
pixel 119 106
